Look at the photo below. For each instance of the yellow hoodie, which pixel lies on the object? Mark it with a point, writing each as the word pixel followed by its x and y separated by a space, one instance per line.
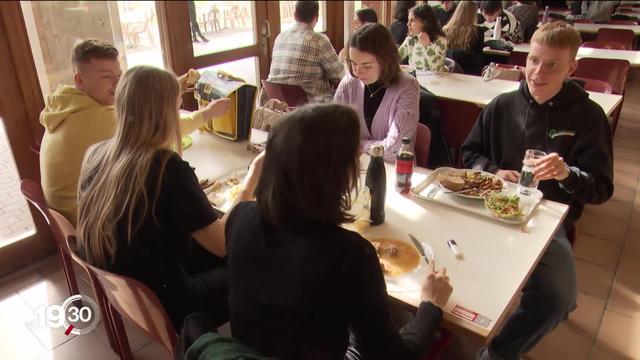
pixel 73 122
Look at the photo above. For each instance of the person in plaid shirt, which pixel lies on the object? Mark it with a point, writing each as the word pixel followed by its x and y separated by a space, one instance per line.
pixel 304 57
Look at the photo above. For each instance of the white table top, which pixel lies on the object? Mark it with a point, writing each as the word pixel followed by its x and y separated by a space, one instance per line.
pixel 632 56
pixel 593 28
pixel 480 92
pixel 497 260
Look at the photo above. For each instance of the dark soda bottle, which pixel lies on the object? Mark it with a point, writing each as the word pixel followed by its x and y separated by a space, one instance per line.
pixel 404 166
pixel 376 181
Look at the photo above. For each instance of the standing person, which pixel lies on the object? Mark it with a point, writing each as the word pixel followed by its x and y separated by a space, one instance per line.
pixel 465 40
pixel 385 98
pixel 526 12
pixel 444 11
pixel 399 27
pixel 301 286
pixel 141 206
pixel 426 44
pixel 491 12
pixel 193 19
pixel 304 57
pixel 556 116
pixel 361 17
pixel 76 117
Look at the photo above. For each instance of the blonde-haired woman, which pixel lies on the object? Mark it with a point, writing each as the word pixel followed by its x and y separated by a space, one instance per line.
pixel 140 204
pixel 465 38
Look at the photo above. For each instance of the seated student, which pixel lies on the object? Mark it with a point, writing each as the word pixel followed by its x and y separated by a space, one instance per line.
pixel 556 116
pixel 444 11
pixel 426 45
pixel 362 17
pixel 491 12
pixel 299 283
pixel 398 27
pixel 304 57
pixel 526 12
pixel 385 98
pixel 76 117
pixel 141 206
pixel 465 40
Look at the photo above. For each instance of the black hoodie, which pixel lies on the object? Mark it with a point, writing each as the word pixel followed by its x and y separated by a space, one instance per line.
pixel 569 124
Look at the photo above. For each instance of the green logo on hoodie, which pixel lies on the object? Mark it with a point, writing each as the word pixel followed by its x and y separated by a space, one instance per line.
pixel 553 133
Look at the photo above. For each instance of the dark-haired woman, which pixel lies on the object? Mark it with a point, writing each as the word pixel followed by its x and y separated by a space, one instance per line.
pixel 385 98
pixel 299 283
pixel 426 44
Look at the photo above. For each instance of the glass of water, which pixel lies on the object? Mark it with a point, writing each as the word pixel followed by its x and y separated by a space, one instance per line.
pixel 527 182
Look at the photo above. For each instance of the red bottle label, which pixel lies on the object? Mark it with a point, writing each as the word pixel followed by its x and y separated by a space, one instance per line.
pixel 404 166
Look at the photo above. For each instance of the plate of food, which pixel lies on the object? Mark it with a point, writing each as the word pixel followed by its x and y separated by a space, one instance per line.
pixel 472 184
pixel 223 191
pixel 397 257
pixel 504 206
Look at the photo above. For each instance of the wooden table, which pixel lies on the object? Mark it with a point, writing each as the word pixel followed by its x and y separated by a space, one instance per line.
pixel 498 258
pixel 476 90
pixel 632 56
pixel 593 28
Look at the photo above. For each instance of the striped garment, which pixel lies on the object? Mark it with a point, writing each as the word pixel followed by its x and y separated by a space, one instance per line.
pixel 396 117
pixel 304 57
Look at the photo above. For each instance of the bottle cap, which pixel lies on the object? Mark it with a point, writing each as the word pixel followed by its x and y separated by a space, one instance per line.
pixel 377 151
pixel 406 140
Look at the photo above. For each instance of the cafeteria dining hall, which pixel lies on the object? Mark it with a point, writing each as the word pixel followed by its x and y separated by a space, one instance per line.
pixel 320 180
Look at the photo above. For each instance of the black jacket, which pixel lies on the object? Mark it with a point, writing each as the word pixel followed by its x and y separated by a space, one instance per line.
pixel 569 124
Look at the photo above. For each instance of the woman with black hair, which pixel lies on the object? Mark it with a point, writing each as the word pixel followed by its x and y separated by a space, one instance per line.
pixel 426 44
pixel 300 285
pixel 398 27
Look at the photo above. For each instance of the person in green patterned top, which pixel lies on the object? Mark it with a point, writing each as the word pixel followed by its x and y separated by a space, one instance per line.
pixel 426 44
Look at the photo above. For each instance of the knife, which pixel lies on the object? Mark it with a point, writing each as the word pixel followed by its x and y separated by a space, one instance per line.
pixel 420 248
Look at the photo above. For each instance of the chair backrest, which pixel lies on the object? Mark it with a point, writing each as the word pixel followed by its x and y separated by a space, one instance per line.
pixel 624 36
pixel 622 22
pixel 422 144
pixel 612 71
pixel 293 95
pixel 609 45
pixel 458 117
pixel 518 58
pixel 595 85
pixel 135 301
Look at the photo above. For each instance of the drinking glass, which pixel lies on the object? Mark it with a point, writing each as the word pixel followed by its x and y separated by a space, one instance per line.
pixel 527 182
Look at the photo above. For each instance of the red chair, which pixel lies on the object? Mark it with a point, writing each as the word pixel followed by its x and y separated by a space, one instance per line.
pixel 421 148
pixel 582 21
pixel 293 95
pixel 135 301
pixel 608 45
pixel 622 22
pixel 595 85
pixel 33 193
pixel 609 70
pixel 458 117
pixel 518 58
pixel 624 36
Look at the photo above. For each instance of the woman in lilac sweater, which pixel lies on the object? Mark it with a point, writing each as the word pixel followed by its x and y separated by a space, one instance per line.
pixel 385 98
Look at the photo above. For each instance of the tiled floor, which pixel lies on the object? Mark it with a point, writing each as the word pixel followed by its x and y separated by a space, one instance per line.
pixel 606 325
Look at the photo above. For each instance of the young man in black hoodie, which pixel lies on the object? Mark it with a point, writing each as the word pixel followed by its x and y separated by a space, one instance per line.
pixel 556 116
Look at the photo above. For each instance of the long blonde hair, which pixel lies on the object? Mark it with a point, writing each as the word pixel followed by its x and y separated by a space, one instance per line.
pixel 461 30
pixel 112 185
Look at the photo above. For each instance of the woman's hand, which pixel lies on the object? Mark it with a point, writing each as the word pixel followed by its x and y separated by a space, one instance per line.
pixel 424 39
pixel 216 108
pixel 255 170
pixel 436 287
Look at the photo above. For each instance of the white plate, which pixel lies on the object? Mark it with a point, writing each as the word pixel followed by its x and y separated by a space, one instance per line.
pixel 457 171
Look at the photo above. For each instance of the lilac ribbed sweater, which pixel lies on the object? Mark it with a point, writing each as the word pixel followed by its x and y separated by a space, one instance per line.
pixel 396 117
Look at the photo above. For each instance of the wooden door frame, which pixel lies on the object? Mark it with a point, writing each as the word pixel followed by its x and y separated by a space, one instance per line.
pixel 21 102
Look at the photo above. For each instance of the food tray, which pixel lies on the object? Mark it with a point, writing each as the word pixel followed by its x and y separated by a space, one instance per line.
pixel 431 190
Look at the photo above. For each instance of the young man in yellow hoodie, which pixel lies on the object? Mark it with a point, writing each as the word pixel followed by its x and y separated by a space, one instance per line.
pixel 76 117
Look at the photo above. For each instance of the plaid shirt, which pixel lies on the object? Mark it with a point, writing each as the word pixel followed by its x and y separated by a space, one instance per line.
pixel 304 57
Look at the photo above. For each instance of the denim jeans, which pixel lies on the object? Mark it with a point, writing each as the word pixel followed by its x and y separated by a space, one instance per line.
pixel 548 297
